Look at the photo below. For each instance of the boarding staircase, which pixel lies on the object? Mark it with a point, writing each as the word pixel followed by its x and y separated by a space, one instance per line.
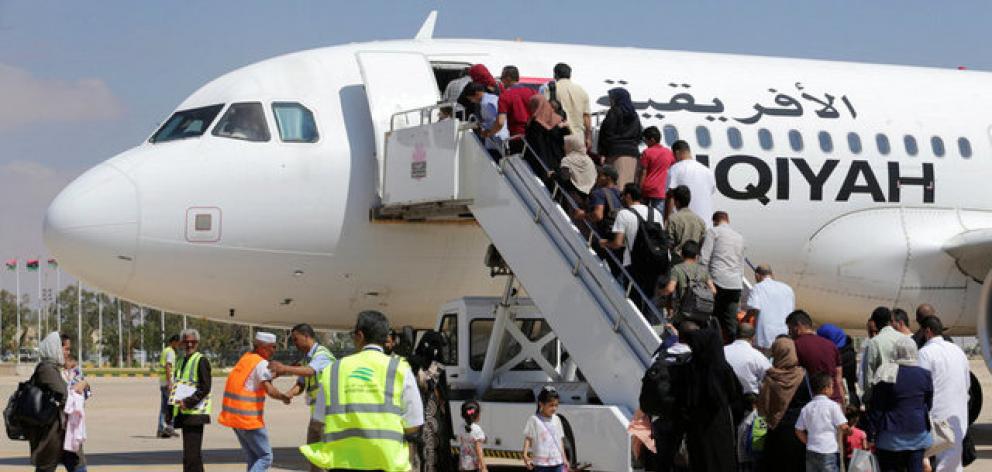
pixel 440 169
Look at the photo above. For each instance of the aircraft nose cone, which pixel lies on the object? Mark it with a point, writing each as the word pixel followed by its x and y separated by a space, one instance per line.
pixel 92 227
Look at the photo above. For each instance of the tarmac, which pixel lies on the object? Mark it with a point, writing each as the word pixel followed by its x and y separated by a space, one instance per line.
pixel 121 419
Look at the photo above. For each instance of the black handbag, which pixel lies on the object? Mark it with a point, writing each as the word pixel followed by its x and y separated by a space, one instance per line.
pixel 33 407
pixel 14 430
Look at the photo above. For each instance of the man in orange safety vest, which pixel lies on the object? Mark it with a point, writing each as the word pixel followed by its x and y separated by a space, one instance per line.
pixel 244 401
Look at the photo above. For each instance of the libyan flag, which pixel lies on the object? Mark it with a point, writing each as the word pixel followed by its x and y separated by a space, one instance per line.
pixel 11 264
pixel 32 264
pixel 53 264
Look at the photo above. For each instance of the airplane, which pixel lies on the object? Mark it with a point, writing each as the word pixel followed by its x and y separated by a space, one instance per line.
pixel 255 201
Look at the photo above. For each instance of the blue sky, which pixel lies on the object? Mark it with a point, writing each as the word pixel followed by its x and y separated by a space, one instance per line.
pixel 82 81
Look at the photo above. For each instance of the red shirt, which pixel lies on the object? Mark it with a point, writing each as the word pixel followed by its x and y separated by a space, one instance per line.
pixel 513 102
pixel 818 354
pixel 655 162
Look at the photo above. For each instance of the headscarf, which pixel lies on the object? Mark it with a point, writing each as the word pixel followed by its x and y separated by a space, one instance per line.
pixel 582 170
pixel 905 354
pixel 833 333
pixel 781 382
pixel 50 349
pixel 480 74
pixel 620 98
pixel 541 111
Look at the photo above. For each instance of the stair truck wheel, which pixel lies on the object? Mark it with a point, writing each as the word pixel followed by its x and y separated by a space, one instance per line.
pixel 569 440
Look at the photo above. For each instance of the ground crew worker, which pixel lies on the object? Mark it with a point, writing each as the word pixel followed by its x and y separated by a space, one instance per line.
pixel 167 364
pixel 316 358
pixel 244 402
pixel 370 402
pixel 193 412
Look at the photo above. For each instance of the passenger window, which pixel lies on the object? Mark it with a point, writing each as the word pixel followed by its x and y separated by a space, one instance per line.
pixel 734 137
pixel 964 147
pixel 854 142
pixel 186 124
pixel 826 142
pixel 765 139
pixel 882 141
pixel 295 123
pixel 938 146
pixel 671 134
pixel 243 121
pixel 703 136
pixel 796 140
pixel 911 147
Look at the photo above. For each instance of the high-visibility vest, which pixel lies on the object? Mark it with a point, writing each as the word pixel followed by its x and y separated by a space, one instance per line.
pixel 310 384
pixel 243 408
pixel 190 373
pixel 162 361
pixel 363 423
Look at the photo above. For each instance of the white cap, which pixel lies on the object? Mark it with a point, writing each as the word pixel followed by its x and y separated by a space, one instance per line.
pixel 264 337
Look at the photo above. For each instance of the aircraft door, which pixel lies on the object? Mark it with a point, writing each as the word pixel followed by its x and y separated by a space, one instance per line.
pixel 395 81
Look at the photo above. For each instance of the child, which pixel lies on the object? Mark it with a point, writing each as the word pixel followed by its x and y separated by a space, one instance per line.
pixel 818 424
pixel 855 438
pixel 471 457
pixel 544 434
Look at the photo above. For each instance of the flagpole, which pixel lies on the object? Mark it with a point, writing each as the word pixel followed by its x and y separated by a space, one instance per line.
pixel 17 308
pixel 120 336
pixel 161 314
pixel 99 324
pixel 2 345
pixel 141 334
pixel 79 318
pixel 38 261
pixel 58 303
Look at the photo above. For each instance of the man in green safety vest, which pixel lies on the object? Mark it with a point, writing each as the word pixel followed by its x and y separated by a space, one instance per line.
pixel 167 364
pixel 316 358
pixel 193 412
pixel 369 402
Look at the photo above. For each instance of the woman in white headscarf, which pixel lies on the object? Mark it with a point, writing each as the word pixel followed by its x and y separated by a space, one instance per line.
pixel 46 442
pixel 899 409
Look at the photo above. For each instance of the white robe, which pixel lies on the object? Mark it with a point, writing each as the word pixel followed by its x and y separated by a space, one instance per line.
pixel 948 365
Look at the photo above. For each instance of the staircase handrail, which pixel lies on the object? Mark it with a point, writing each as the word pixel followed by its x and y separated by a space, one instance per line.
pixel 631 289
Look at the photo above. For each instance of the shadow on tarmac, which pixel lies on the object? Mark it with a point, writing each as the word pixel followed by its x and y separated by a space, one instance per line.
pixel 285 458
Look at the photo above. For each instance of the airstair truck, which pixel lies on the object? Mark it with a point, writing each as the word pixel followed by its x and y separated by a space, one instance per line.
pixel 578 329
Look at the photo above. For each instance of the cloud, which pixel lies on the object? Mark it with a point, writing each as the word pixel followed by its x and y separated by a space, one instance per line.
pixel 28 100
pixel 26 189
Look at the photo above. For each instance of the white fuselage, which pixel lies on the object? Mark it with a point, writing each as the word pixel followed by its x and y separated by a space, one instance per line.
pixel 295 242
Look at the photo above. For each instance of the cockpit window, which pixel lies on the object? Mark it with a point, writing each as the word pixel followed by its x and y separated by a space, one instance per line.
pixel 243 121
pixel 295 122
pixel 187 124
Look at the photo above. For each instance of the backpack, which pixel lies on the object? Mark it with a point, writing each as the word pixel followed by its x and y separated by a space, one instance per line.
pixel 655 398
pixel 610 215
pixel 697 300
pixel 555 103
pixel 650 244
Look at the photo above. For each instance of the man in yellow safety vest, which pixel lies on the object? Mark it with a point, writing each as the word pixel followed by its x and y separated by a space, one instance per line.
pixel 316 358
pixel 244 402
pixel 370 402
pixel 193 411
pixel 167 366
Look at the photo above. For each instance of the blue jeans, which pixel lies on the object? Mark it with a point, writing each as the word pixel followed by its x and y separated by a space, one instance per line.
pixel 549 468
pixel 164 410
pixel 255 444
pixel 816 462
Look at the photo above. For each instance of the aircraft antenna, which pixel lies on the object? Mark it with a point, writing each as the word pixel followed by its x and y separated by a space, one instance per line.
pixel 427 29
